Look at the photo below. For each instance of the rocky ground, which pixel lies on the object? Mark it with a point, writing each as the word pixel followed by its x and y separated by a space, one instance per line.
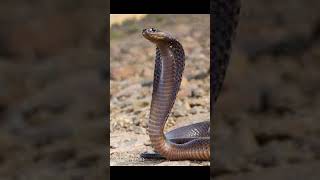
pixel 267 117
pixel 131 71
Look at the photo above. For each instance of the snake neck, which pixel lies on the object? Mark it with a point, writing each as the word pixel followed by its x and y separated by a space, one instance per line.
pixel 169 66
pixel 168 71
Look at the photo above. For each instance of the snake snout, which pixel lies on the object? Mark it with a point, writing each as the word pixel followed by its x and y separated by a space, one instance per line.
pixel 144 31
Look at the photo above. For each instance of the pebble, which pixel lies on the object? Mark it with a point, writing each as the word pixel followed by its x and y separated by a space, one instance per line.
pixel 194 111
pixel 147 143
pixel 197 92
pixel 121 121
pixel 137 129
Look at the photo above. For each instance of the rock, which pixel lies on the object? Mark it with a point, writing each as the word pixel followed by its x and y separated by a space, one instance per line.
pixel 194 110
pixel 121 121
pixel 138 130
pixel 197 92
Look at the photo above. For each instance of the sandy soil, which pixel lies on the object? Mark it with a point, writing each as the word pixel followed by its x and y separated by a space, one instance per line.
pixel 132 63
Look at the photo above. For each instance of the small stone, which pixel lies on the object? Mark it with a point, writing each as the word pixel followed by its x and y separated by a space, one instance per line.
pixel 179 113
pixel 197 92
pixel 114 146
pixel 194 111
pixel 137 129
pixel 123 121
pixel 136 121
pixel 144 124
pixel 196 102
pixel 147 143
pixel 141 104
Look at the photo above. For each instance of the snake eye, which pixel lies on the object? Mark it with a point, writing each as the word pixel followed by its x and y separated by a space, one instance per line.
pixel 153 30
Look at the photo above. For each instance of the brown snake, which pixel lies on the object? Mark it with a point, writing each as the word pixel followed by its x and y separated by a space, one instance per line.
pixel 190 142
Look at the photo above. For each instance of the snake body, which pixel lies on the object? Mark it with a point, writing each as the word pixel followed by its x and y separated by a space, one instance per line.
pixel 190 142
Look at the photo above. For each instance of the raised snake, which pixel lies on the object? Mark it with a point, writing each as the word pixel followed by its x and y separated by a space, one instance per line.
pixel 190 142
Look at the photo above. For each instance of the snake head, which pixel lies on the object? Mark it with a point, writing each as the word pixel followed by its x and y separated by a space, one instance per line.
pixel 156 36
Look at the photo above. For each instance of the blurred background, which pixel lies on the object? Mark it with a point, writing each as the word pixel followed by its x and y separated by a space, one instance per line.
pixel 53 79
pixel 132 60
pixel 267 116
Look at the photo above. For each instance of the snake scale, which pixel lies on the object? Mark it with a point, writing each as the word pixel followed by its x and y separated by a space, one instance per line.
pixel 190 142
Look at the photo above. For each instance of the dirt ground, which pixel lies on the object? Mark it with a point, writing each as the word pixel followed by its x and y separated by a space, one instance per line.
pixel 131 67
